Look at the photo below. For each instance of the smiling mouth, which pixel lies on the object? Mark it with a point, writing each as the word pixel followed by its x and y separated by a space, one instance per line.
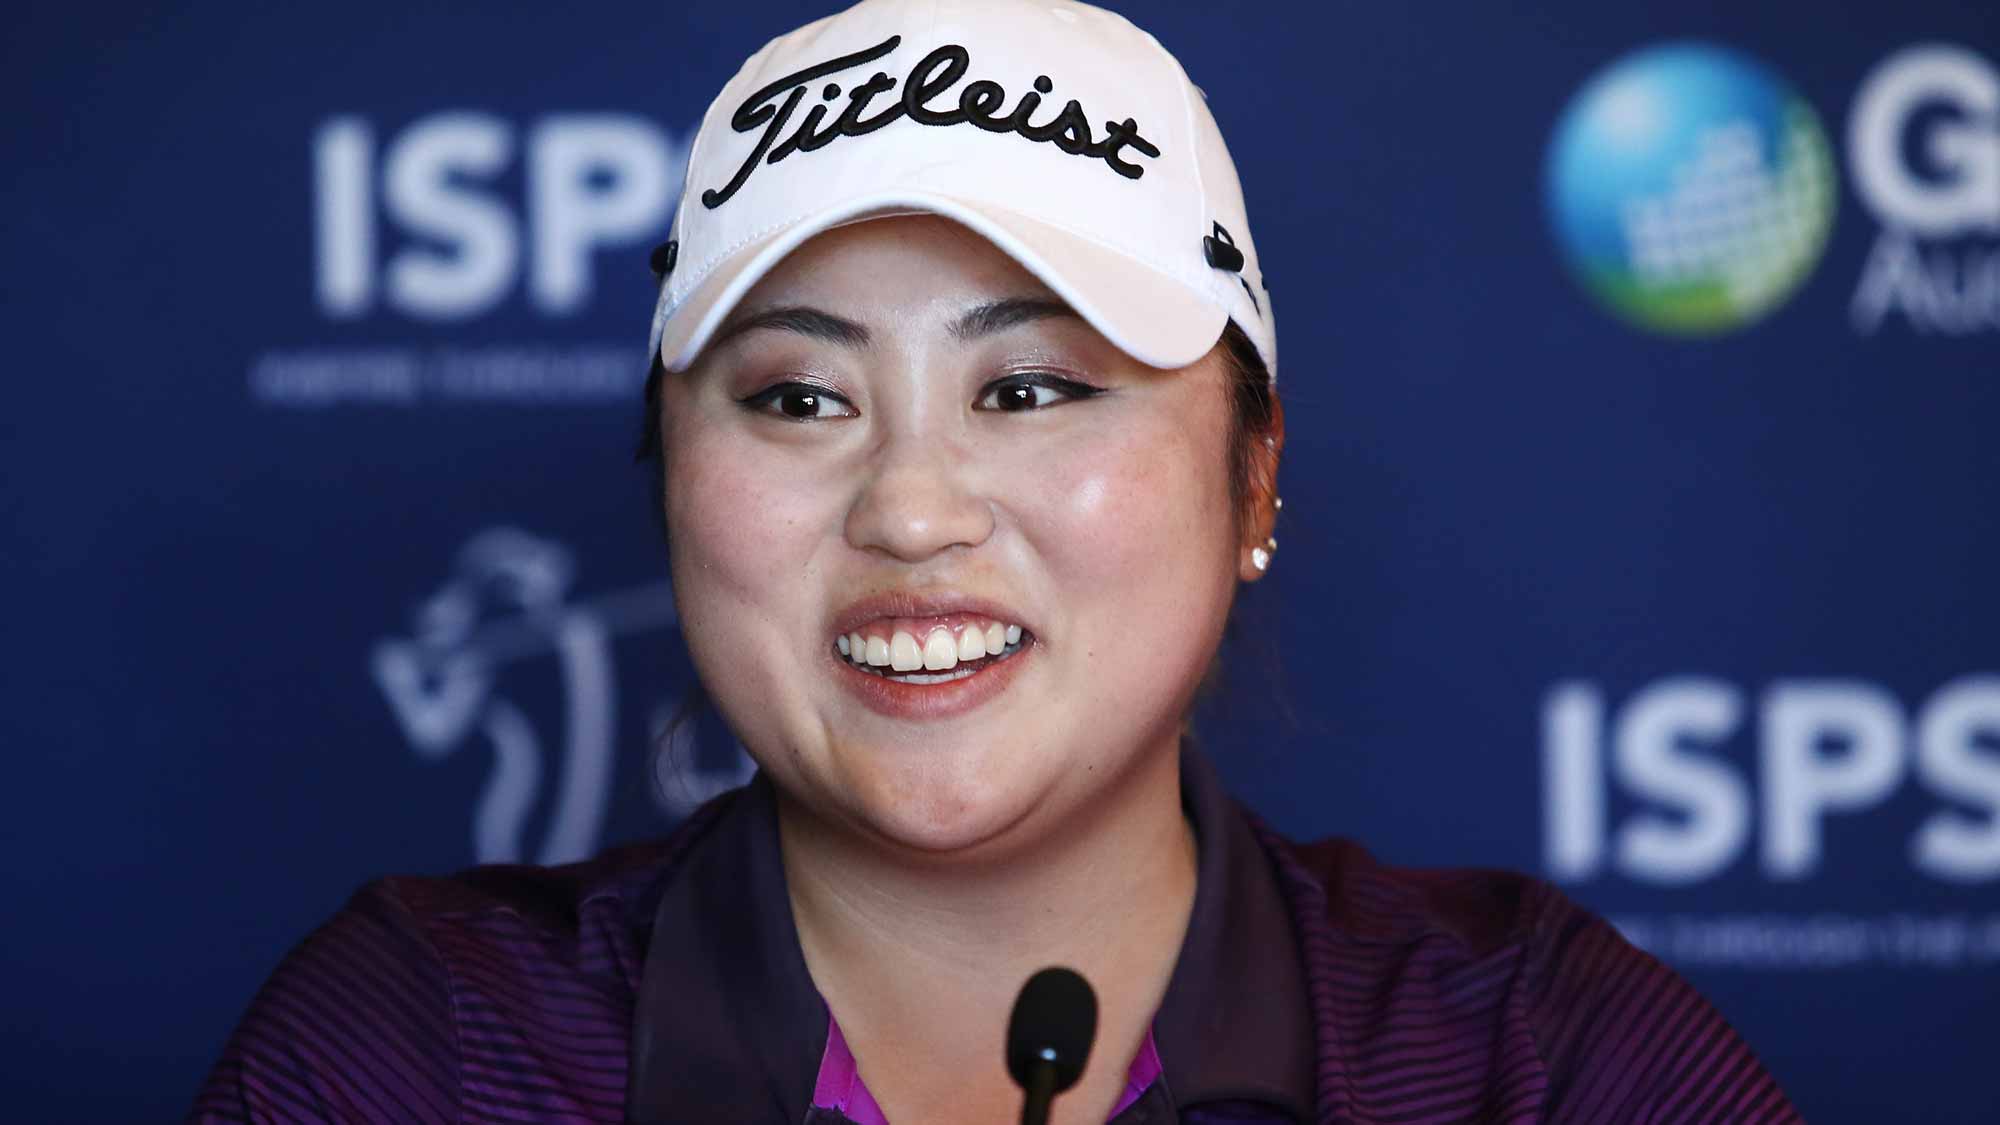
pixel 939 655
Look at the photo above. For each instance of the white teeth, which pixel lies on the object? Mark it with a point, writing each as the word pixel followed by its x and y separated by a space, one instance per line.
pixel 936 677
pixel 971 643
pixel 904 655
pixel 940 651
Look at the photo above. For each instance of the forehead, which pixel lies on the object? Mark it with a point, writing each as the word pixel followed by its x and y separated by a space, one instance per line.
pixel 893 267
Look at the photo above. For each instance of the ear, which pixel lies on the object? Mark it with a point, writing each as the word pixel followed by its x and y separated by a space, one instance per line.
pixel 1259 517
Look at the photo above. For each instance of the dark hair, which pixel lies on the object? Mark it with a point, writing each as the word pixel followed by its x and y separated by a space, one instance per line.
pixel 1253 414
pixel 1253 410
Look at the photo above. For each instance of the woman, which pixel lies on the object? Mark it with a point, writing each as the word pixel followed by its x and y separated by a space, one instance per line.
pixel 963 399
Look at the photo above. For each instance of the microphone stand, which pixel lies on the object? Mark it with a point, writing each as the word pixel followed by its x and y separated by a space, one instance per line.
pixel 1041 1088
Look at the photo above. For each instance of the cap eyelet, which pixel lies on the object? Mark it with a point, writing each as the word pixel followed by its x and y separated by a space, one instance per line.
pixel 663 258
pixel 1221 254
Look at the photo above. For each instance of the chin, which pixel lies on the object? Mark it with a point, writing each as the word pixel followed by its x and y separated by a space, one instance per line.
pixel 948 809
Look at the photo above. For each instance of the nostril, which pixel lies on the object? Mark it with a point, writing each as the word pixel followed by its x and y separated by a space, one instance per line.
pixel 913 518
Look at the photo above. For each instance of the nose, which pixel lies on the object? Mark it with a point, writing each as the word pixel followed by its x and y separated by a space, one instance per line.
pixel 917 499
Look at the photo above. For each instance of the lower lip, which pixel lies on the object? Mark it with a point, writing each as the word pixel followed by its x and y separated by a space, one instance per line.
pixel 895 700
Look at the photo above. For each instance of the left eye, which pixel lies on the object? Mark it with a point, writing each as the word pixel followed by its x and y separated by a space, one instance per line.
pixel 1032 392
pixel 800 402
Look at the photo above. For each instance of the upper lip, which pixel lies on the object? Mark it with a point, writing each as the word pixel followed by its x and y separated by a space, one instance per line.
pixel 935 603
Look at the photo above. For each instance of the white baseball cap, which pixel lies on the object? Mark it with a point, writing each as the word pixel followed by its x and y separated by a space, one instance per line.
pixel 1060 132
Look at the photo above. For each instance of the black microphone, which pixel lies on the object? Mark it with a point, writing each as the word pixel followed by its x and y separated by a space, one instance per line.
pixel 1048 1038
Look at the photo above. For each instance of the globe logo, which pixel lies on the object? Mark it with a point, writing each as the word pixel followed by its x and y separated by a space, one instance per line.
pixel 1690 188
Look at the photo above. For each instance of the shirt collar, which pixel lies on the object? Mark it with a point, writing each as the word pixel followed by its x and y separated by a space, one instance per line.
pixel 1236 1023
pixel 729 1026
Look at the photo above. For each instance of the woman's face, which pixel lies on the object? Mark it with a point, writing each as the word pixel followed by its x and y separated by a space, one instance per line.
pixel 900 431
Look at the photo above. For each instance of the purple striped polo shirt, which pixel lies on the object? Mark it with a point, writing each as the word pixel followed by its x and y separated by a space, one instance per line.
pixel 663 983
pixel 1232 1037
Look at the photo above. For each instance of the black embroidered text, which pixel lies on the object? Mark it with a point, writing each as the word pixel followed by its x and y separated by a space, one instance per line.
pixel 979 104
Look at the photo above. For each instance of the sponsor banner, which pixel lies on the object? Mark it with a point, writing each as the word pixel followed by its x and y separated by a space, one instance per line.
pixel 1639 525
pixel 1692 190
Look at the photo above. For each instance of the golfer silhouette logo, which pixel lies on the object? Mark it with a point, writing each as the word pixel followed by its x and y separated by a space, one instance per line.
pixel 507 601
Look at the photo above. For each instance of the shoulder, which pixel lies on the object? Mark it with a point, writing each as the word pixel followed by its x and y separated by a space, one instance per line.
pixel 1471 910
pixel 423 996
pixel 355 1021
pixel 1561 1013
pixel 587 918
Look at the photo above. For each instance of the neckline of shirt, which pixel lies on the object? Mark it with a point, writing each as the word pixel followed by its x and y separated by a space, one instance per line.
pixel 729 1025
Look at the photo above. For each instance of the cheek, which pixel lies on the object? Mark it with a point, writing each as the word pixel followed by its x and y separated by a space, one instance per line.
pixel 740 538
pixel 1142 511
pixel 1138 538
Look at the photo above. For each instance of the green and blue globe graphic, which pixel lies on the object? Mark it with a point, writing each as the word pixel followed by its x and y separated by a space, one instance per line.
pixel 1690 188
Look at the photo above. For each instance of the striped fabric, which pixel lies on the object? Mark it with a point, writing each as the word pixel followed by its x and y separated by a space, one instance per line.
pixel 1487 996
pixel 507 995
pixel 500 995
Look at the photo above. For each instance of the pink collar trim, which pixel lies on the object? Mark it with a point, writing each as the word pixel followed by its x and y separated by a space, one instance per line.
pixel 839 1084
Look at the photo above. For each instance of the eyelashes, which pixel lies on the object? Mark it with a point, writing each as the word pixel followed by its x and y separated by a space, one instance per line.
pixel 796 401
pixel 1033 390
pixel 1018 393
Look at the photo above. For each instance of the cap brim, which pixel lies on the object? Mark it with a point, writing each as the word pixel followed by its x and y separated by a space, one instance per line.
pixel 1148 314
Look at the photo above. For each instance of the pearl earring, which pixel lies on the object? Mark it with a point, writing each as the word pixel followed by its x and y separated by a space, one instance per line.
pixel 1260 558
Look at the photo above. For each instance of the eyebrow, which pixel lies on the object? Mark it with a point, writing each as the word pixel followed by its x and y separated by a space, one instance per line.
pixel 981 320
pixel 802 319
pixel 998 316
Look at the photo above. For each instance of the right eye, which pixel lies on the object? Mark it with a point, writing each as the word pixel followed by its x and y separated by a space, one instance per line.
pixel 800 402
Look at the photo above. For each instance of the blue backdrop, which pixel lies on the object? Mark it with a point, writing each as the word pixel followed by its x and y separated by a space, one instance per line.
pixel 1642 365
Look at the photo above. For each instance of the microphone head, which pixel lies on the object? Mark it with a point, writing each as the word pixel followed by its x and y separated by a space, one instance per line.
pixel 1054 1020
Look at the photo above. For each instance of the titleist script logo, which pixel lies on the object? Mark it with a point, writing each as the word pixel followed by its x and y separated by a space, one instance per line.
pixel 978 104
